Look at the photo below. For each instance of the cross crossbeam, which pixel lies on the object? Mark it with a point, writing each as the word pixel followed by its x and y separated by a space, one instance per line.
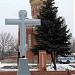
pixel 18 22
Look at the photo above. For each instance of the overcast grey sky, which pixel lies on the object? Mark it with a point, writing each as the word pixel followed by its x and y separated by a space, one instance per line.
pixel 10 8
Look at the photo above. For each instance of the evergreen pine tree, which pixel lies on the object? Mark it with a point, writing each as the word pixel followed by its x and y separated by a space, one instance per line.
pixel 52 35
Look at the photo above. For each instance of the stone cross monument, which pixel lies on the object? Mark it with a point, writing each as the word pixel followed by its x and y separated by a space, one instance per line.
pixel 22 22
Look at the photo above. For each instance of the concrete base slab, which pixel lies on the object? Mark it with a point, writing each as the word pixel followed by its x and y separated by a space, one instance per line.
pixel 23 67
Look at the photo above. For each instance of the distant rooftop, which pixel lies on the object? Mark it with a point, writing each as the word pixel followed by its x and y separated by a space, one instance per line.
pixel 36 1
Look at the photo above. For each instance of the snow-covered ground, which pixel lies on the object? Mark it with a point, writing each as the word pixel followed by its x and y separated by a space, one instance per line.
pixel 15 64
pixel 7 64
pixel 60 67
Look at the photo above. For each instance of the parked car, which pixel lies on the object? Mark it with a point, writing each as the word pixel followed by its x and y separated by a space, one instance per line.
pixel 66 60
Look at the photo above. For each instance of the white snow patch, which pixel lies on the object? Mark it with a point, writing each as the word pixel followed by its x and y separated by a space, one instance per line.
pixel 33 67
pixel 61 67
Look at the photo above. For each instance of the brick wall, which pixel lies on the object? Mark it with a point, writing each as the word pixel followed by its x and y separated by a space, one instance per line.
pixel 8 73
pixel 49 73
pixel 39 72
pixel 42 60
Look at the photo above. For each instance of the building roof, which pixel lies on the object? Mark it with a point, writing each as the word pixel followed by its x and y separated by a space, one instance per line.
pixel 36 1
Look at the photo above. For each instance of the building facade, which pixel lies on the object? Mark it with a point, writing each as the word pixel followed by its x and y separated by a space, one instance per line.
pixel 30 31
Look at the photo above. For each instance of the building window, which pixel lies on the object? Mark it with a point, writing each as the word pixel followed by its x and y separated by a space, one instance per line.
pixel 29 41
pixel 35 9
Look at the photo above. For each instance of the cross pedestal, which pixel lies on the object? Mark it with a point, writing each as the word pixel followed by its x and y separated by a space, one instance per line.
pixel 22 22
pixel 23 67
pixel 42 60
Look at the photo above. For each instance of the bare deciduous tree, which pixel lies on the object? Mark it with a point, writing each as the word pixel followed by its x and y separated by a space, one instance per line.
pixel 6 43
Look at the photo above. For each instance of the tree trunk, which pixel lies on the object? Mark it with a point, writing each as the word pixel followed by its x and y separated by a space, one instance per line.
pixel 53 59
pixel 18 58
pixel 52 56
pixel 38 59
pixel 56 57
